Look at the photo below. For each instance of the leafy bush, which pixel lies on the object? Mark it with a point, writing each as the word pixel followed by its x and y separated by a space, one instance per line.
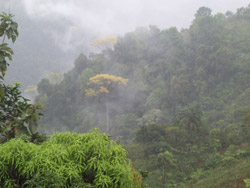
pixel 247 182
pixel 67 160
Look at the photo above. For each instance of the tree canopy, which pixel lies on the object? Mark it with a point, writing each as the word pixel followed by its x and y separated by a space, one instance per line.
pixel 104 84
pixel 187 94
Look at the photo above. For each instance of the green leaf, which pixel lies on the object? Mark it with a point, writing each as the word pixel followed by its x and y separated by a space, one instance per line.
pixel 3 66
pixel 13 38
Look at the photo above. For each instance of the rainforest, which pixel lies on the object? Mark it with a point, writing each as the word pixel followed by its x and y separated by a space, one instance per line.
pixel 153 108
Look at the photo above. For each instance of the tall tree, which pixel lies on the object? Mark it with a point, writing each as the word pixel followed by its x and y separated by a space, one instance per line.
pixel 190 119
pixel 103 85
pixel 167 160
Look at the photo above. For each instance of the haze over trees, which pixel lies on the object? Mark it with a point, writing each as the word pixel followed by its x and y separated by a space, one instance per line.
pixel 186 98
pixel 45 44
pixel 104 85
pixel 183 112
pixel 66 159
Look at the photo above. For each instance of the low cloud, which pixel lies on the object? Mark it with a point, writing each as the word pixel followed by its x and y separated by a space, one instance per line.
pixel 84 21
pixel 107 17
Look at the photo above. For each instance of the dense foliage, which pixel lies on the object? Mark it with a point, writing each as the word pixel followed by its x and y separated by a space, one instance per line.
pixel 205 67
pixel 67 160
pixel 185 109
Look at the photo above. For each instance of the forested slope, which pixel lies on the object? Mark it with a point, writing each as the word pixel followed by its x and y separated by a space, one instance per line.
pixel 185 108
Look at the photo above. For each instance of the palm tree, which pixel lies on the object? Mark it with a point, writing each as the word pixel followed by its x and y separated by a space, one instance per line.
pixel 190 119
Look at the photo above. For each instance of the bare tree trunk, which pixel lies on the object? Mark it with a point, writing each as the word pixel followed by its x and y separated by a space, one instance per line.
pixel 163 176
pixel 107 112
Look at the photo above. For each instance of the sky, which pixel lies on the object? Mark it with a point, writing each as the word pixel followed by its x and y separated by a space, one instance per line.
pixel 87 20
pixel 116 17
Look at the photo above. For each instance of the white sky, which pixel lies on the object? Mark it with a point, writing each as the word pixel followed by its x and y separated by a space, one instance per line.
pixel 91 19
pixel 107 17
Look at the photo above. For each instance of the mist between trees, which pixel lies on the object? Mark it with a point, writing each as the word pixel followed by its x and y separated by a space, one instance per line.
pixel 178 101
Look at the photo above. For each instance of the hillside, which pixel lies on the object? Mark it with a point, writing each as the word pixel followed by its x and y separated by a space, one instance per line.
pixel 167 70
pixel 185 108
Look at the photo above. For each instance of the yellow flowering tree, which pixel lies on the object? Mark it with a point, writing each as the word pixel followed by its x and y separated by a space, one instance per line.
pixel 103 85
pixel 104 43
pixel 56 77
pixel 32 92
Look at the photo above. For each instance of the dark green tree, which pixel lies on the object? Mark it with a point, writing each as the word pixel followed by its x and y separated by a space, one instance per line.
pixel 203 11
pixel 16 114
pixel 190 119
pixel 166 160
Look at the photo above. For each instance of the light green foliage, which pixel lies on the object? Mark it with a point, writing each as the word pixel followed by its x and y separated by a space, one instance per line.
pixel 66 160
pixel 247 182
pixel 166 158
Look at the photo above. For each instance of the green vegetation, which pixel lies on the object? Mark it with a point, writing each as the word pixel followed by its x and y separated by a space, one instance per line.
pixel 66 160
pixel 17 116
pixel 231 175
pixel 104 85
pixel 247 182
pixel 185 106
pixel 201 163
pixel 183 117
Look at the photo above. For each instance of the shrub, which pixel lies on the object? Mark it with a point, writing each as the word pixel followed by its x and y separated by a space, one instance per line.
pixel 66 160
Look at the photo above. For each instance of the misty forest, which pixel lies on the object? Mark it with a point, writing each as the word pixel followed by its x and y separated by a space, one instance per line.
pixel 151 108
